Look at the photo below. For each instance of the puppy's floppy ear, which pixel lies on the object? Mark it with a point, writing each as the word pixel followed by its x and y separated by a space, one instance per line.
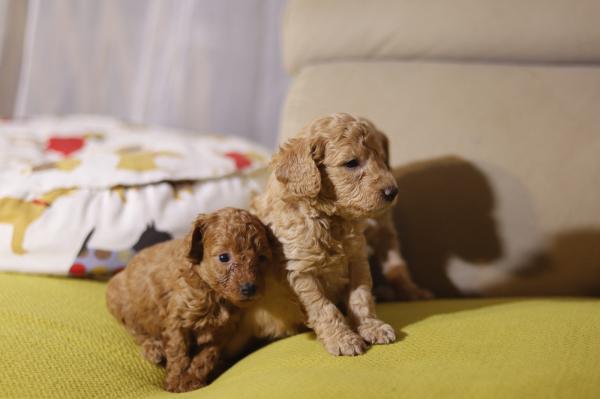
pixel 194 240
pixel 295 166
pixel 273 241
pixel 384 142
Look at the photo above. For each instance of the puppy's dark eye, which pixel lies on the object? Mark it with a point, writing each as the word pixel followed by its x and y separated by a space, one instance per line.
pixel 262 259
pixel 224 257
pixel 353 163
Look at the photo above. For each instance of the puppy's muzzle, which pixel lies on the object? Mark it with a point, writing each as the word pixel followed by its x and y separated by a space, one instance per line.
pixel 248 290
pixel 390 193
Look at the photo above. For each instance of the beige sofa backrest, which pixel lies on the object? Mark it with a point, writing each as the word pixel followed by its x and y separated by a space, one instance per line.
pixel 493 111
pixel 319 31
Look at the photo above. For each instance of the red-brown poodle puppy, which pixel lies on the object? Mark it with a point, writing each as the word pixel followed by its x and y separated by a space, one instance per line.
pixel 181 299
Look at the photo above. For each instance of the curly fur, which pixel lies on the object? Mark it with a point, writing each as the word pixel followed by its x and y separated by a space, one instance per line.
pixel 316 203
pixel 182 304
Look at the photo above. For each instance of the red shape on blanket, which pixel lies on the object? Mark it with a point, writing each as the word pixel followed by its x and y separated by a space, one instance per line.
pixel 77 270
pixel 65 145
pixel 241 160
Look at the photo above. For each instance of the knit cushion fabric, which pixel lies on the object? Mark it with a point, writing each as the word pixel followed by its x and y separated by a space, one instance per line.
pixel 57 340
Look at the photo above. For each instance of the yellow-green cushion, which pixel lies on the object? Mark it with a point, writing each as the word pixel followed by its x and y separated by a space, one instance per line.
pixel 57 340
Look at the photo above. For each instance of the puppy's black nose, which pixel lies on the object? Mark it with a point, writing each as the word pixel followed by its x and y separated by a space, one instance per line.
pixel 248 289
pixel 389 193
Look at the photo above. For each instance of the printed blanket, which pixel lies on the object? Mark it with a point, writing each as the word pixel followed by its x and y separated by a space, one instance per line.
pixel 81 195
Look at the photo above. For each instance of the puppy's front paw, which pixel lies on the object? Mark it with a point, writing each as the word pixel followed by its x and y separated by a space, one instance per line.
pixel 153 351
pixel 345 343
pixel 183 383
pixel 375 331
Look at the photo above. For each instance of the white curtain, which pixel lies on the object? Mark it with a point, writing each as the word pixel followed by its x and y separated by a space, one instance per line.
pixel 205 65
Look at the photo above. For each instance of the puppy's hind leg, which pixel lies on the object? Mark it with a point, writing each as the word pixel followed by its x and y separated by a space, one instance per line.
pixel 396 273
pixel 389 264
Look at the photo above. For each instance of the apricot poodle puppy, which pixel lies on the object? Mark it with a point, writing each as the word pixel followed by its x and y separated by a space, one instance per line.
pixel 325 183
pixel 181 299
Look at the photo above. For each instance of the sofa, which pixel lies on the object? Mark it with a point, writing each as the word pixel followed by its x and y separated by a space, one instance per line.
pixel 492 113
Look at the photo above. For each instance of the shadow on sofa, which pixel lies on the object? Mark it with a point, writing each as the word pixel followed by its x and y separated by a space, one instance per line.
pixel 569 265
pixel 446 210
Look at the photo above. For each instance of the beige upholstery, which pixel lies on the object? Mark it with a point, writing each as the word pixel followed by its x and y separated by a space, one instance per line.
pixel 518 30
pixel 498 164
